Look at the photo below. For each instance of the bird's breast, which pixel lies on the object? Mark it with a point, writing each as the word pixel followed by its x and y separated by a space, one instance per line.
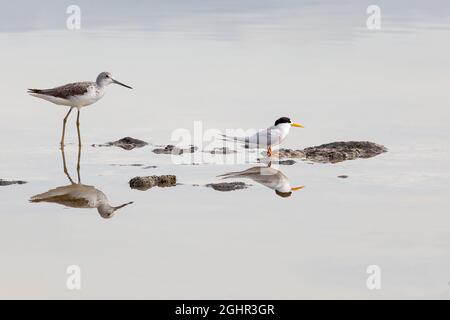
pixel 90 97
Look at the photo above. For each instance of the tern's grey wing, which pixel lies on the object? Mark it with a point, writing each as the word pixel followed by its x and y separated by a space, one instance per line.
pixel 66 91
pixel 259 138
pixel 265 137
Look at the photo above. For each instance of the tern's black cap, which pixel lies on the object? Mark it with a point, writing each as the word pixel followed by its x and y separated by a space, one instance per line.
pixel 283 120
pixel 283 194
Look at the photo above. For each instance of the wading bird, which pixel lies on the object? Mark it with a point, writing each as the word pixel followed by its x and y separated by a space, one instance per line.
pixel 77 95
pixel 267 138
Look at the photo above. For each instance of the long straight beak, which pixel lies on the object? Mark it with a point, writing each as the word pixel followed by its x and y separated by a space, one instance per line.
pixel 297 188
pixel 298 125
pixel 121 84
pixel 124 205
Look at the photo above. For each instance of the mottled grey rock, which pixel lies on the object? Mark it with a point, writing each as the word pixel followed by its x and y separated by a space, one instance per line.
pixel 171 149
pixel 145 183
pixel 341 151
pixel 126 143
pixel 336 151
pixel 4 183
pixel 228 186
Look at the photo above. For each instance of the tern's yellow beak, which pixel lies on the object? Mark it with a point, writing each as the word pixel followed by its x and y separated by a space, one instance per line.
pixel 297 188
pixel 298 125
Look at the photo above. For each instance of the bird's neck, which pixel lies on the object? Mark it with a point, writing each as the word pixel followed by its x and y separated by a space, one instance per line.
pixel 284 128
pixel 100 84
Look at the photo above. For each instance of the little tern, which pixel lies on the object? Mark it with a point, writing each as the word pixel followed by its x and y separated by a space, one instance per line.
pixel 267 138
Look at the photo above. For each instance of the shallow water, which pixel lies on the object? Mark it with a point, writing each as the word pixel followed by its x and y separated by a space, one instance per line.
pixel 229 66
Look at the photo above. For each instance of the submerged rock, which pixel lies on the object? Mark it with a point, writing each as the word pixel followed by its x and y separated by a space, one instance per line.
pixel 336 151
pixel 289 153
pixel 126 143
pixel 228 186
pixel 4 183
pixel 288 162
pixel 145 183
pixel 223 150
pixel 171 149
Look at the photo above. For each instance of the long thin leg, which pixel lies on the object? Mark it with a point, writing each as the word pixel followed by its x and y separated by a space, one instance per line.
pixel 64 127
pixel 78 128
pixel 78 164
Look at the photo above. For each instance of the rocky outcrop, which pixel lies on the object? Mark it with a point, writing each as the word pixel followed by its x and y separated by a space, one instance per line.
pixel 336 151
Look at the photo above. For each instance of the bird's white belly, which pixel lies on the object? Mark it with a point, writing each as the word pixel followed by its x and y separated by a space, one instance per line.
pixel 86 99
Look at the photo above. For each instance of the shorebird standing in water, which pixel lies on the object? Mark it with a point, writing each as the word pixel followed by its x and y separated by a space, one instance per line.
pixel 77 95
pixel 267 138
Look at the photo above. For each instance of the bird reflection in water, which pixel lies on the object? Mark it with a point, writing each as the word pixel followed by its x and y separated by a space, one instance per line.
pixel 268 177
pixel 78 195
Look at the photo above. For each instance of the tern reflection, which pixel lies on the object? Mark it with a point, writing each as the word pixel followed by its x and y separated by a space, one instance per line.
pixel 268 177
pixel 78 195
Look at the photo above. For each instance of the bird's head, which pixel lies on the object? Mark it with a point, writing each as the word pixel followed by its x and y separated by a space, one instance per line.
pixel 288 192
pixel 105 79
pixel 286 122
pixel 107 211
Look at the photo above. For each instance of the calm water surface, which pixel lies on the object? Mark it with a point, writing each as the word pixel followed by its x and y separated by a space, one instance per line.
pixel 229 66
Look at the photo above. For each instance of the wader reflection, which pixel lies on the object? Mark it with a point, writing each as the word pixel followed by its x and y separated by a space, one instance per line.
pixel 78 195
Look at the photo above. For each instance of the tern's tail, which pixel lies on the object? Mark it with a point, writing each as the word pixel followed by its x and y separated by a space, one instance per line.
pixel 230 138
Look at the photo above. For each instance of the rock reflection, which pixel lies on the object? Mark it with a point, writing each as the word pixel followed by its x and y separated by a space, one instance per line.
pixel 78 195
